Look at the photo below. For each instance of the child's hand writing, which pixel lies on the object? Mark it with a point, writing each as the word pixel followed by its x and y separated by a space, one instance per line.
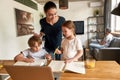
pixel 48 56
pixel 69 60
pixel 57 51
pixel 29 60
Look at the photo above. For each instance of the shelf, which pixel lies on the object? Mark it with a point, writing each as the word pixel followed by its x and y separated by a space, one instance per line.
pixel 95 32
pixel 95 27
pixel 94 24
pixel 95 16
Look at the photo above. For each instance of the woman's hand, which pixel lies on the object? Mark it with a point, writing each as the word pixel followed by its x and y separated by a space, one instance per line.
pixel 37 35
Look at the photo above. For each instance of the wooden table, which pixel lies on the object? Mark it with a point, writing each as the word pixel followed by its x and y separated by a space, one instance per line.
pixel 104 70
pixel 6 62
pixel 3 72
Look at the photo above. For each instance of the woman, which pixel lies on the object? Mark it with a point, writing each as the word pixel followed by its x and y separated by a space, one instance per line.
pixel 51 29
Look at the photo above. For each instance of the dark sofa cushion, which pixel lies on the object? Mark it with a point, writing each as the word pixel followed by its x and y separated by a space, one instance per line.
pixel 115 42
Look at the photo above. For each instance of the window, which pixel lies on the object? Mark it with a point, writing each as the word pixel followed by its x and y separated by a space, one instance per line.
pixel 115 24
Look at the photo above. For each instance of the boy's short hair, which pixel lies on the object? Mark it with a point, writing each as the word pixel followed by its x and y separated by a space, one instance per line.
pixel 33 39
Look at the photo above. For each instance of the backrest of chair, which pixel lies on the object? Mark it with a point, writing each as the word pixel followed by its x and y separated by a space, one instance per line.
pixel 29 72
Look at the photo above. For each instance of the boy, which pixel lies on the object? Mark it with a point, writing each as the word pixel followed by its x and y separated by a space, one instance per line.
pixel 34 52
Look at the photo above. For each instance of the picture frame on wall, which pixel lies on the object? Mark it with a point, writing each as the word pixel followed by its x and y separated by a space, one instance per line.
pixel 24 22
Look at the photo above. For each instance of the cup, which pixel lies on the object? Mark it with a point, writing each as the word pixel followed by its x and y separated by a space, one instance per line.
pixel 90 63
pixel 1 64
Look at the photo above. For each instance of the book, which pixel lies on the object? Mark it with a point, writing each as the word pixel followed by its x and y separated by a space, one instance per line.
pixel 60 66
pixel 39 62
pixel 57 66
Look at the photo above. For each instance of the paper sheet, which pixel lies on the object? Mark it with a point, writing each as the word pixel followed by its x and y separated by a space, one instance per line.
pixel 77 67
pixel 56 66
pixel 39 62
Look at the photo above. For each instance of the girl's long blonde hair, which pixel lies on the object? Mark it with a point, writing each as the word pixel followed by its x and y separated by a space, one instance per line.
pixel 70 25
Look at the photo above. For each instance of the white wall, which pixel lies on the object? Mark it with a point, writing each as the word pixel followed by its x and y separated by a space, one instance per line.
pixel 78 11
pixel 11 45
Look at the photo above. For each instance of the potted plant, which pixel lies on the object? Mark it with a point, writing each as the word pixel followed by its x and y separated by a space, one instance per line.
pixel 96 12
pixel 41 15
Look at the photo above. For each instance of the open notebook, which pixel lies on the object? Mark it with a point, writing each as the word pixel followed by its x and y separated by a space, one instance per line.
pixel 60 66
pixel 29 72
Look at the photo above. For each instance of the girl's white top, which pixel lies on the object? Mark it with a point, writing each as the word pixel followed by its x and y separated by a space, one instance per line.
pixel 70 47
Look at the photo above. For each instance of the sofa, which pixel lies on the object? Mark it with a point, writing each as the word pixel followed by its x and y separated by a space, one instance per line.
pixel 110 53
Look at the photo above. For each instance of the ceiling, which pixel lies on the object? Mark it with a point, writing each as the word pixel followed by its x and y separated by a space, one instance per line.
pixel 56 1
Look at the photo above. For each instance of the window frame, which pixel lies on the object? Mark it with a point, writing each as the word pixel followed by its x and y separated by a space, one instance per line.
pixel 115 19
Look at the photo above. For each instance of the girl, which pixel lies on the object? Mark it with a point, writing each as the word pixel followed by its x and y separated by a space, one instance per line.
pixel 71 46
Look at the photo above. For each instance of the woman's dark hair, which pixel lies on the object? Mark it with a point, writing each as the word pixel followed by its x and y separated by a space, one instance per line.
pixel 49 5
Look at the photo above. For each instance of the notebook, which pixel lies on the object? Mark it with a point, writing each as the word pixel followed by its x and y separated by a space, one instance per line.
pixel 39 62
pixel 60 66
pixel 29 72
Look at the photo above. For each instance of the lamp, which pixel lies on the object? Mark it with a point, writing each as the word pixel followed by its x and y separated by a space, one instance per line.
pixel 116 11
pixel 63 4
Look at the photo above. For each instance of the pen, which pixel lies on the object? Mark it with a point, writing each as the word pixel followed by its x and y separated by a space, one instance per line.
pixel 55 52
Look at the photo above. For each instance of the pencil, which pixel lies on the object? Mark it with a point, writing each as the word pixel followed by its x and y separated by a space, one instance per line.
pixel 55 52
